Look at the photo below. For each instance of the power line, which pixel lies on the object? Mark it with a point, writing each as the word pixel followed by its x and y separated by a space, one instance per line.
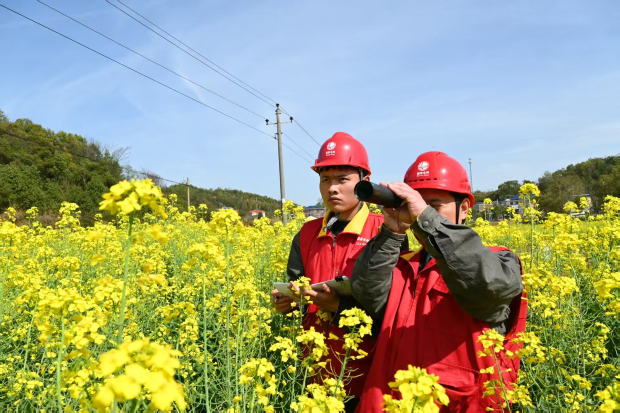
pixel 297 145
pixel 135 71
pixel 185 51
pixel 65 151
pixel 141 74
pixel 296 153
pixel 150 60
pixel 210 61
pixel 156 176
pixel 124 12
pixel 303 129
pixel 166 68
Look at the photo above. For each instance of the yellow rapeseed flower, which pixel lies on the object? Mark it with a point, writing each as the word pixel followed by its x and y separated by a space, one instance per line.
pixel 128 197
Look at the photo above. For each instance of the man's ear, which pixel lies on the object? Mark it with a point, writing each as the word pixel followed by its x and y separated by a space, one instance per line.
pixel 366 178
pixel 464 209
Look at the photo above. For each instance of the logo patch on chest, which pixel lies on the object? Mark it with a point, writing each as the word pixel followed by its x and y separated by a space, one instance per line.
pixel 361 241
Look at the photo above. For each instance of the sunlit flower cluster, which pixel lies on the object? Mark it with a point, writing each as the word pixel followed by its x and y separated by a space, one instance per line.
pixel 147 374
pixel 131 196
pixel 418 391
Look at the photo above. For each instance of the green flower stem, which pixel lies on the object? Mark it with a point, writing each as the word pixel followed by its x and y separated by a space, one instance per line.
pixel 2 291
pixel 204 339
pixel 303 383
pixel 28 340
pixel 529 201
pixel 228 365
pixel 121 318
pixel 59 362
pixel 301 327
pixel 501 382
pixel 239 346
pixel 344 364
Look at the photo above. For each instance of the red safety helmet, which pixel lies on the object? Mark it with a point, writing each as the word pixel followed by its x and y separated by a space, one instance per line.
pixel 436 170
pixel 342 149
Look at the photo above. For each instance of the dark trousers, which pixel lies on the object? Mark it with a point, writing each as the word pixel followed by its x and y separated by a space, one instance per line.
pixel 350 405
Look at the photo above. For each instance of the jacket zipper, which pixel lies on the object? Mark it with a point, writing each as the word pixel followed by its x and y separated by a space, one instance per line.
pixel 335 271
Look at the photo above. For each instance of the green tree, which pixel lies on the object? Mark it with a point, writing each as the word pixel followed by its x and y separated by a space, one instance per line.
pixel 558 188
pixel 39 167
pixel 499 211
pixel 508 188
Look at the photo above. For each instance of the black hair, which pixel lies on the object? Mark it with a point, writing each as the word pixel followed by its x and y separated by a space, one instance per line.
pixel 362 172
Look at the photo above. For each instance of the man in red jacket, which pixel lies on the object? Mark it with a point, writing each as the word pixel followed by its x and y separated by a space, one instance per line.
pixel 433 305
pixel 325 249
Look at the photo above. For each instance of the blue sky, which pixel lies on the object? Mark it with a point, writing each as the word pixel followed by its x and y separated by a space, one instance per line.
pixel 521 87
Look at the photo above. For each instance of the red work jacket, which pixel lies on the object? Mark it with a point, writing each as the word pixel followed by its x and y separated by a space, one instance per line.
pixel 424 326
pixel 324 259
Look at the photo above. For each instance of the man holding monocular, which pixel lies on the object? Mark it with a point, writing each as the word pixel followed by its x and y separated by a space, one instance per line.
pixel 432 305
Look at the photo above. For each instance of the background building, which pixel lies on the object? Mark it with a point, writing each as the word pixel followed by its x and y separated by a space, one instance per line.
pixel 314 211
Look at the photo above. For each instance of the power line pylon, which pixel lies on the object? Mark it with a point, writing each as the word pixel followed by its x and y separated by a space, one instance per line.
pixel 280 158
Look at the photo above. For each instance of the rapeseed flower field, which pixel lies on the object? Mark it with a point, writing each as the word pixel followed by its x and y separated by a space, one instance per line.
pixel 162 310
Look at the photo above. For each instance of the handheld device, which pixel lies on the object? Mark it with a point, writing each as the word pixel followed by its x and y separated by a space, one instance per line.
pixel 341 284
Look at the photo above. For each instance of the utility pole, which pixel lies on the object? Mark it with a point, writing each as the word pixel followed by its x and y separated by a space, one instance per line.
pixel 187 194
pixel 280 158
pixel 471 177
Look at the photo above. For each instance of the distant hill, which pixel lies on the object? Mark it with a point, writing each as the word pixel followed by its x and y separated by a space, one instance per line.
pixel 597 177
pixel 218 198
pixel 43 168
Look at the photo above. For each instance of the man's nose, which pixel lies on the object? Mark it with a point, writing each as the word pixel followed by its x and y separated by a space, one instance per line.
pixel 333 189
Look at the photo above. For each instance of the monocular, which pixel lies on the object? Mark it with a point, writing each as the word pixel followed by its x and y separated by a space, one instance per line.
pixel 376 194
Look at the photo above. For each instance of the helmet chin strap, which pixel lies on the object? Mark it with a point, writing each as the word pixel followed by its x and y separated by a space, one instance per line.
pixel 458 201
pixel 458 210
pixel 362 176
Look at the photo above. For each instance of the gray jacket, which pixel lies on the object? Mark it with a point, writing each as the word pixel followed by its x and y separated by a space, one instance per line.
pixel 482 282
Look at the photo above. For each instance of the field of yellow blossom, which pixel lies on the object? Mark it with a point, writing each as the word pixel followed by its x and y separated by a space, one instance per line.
pixel 158 309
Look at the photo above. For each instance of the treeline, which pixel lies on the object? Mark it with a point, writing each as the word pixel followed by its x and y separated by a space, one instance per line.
pixel 43 168
pixel 597 177
pixel 243 202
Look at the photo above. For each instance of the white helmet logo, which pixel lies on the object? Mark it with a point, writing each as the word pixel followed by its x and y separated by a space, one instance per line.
pixel 423 166
pixel 331 146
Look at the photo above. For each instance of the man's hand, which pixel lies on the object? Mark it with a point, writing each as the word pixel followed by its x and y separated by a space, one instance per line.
pixel 281 303
pixel 399 219
pixel 327 299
